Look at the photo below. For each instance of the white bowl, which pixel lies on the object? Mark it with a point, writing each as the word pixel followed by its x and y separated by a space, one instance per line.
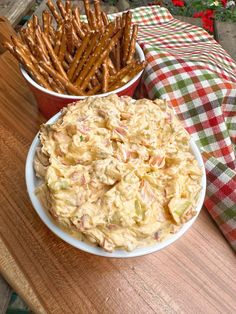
pixel 32 182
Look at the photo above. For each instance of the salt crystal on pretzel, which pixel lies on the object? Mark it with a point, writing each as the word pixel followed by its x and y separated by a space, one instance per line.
pixel 53 9
pixel 65 82
pixel 99 61
pixel 78 56
pixel 61 8
pixel 54 57
pixel 132 44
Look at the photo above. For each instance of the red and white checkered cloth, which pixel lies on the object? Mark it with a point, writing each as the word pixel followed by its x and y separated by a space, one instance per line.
pixel 189 69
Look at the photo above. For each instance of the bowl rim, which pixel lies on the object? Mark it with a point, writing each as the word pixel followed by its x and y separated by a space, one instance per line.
pixel 73 97
pixel 31 183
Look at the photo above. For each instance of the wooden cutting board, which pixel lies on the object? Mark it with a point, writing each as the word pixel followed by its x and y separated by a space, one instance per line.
pixel 194 274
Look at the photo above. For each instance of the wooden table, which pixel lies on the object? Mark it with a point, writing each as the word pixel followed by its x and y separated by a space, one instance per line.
pixel 194 275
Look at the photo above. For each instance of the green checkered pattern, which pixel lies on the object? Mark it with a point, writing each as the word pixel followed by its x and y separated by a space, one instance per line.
pixel 189 69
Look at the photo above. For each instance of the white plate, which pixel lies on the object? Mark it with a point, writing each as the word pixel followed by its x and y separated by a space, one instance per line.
pixel 32 182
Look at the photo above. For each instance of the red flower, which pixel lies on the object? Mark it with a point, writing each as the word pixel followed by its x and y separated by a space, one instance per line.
pixel 224 2
pixel 198 14
pixel 178 3
pixel 207 19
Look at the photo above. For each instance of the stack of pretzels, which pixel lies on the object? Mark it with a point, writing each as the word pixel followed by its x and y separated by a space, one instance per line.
pixel 71 56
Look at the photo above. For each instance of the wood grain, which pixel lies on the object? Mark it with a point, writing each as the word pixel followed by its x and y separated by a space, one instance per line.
pixel 194 275
pixel 14 10
pixel 5 293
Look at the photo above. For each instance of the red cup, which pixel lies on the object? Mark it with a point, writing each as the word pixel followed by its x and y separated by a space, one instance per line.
pixel 49 102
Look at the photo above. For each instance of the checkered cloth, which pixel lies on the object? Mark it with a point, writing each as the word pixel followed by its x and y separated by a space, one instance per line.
pixel 189 69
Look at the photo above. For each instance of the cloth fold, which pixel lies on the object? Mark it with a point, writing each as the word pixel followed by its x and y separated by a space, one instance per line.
pixel 189 69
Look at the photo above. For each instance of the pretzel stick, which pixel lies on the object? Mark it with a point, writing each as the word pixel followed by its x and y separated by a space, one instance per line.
pixel 45 18
pixel 104 18
pixel 68 8
pixel 69 35
pixel 126 37
pixel 92 20
pixel 99 61
pixel 111 67
pixel 65 82
pixel 22 33
pixel 87 8
pixel 76 39
pixel 78 29
pixel 77 56
pixel 10 48
pixel 105 76
pixel 43 54
pixel 85 27
pixel 62 50
pixel 53 9
pixel 54 57
pixel 97 9
pixel 30 68
pixel 117 56
pixel 86 55
pixel 61 8
pixel 138 67
pixel 35 21
pixel 132 43
pixel 123 19
pixel 68 57
pixel 122 73
pixel 94 90
pixel 30 27
pixel 51 30
pixel 103 42
pixel 76 14
pixel 95 81
pixel 30 42
pixel 58 40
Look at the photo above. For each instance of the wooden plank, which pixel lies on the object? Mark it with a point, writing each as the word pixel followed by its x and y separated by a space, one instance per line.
pixel 16 278
pixel 226 36
pixel 14 10
pixel 190 20
pixel 192 275
pixel 5 294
